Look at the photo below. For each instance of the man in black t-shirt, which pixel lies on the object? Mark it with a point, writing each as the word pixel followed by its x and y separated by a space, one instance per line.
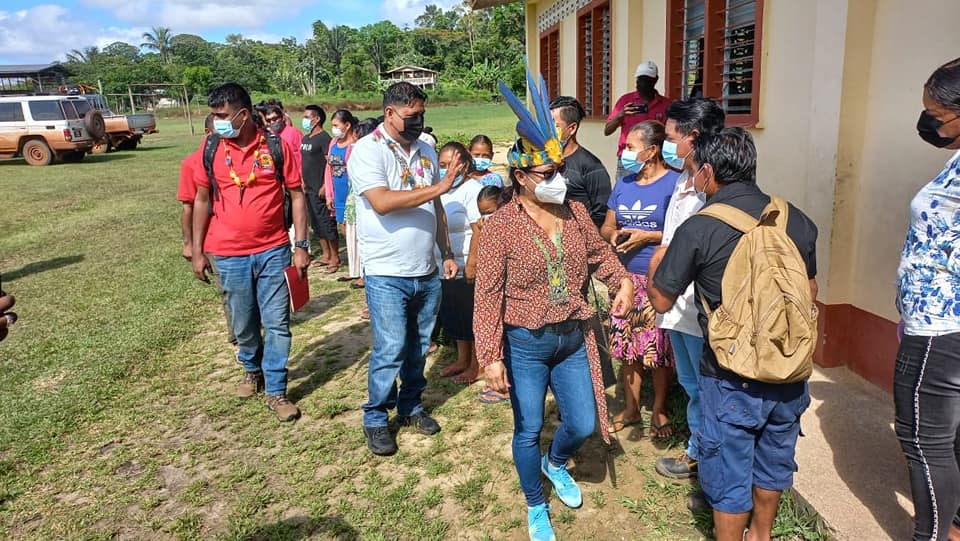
pixel 748 434
pixel 587 179
pixel 313 150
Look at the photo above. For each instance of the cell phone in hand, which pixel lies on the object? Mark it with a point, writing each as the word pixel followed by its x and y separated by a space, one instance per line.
pixel 622 237
pixel 637 108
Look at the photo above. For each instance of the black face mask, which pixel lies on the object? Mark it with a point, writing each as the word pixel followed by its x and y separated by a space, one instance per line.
pixel 412 127
pixel 927 126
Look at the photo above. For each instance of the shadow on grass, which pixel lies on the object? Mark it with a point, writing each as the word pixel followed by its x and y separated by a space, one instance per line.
pixel 317 306
pixel 41 266
pixel 322 360
pixel 303 527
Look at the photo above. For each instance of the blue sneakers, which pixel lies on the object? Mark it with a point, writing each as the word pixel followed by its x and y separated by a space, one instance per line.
pixel 538 523
pixel 564 485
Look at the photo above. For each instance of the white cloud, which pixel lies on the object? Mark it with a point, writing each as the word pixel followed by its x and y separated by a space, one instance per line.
pixel 403 12
pixel 194 16
pixel 46 32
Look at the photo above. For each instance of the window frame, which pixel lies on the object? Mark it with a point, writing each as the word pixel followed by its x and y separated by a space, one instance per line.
pixel 713 55
pixel 596 85
pixel 551 73
pixel 14 106
pixel 56 103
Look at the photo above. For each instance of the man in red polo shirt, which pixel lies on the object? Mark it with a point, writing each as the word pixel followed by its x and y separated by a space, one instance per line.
pixel 645 103
pixel 249 243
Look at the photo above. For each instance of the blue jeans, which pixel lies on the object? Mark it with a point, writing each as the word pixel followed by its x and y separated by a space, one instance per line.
pixel 687 350
pixel 535 359
pixel 403 312
pixel 257 294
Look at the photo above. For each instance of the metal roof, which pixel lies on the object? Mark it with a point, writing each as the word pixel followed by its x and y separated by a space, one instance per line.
pixel 15 69
pixel 409 68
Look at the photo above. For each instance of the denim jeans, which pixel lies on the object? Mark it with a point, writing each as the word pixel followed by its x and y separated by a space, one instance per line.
pixel 215 278
pixel 687 350
pixel 535 359
pixel 403 312
pixel 926 392
pixel 258 297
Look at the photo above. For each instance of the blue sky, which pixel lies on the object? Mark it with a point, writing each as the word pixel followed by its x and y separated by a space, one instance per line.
pixel 40 31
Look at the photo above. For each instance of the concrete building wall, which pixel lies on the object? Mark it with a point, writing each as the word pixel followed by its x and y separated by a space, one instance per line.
pixel 840 93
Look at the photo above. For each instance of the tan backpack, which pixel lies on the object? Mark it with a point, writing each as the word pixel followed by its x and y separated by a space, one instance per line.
pixel 766 327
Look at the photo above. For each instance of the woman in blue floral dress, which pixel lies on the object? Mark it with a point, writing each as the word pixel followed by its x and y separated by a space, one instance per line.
pixel 927 372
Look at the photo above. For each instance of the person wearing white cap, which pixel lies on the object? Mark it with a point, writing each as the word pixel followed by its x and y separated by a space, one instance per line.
pixel 645 103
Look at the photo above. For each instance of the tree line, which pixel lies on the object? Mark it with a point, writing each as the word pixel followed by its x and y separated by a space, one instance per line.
pixel 471 50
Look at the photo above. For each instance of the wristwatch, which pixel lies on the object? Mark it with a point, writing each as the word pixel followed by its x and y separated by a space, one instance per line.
pixel 304 244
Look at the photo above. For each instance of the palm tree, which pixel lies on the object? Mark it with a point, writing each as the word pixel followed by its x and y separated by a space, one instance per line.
pixel 82 56
pixel 158 39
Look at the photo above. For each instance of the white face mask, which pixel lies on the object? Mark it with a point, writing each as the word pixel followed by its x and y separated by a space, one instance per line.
pixel 552 190
pixel 336 132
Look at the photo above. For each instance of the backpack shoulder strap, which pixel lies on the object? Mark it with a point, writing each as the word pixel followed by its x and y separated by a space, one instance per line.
pixel 777 210
pixel 209 152
pixel 732 216
pixel 275 146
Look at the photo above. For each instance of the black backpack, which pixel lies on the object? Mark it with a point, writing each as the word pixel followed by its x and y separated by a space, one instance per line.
pixel 274 146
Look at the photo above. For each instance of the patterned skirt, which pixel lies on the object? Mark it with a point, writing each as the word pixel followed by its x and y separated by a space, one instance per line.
pixel 636 338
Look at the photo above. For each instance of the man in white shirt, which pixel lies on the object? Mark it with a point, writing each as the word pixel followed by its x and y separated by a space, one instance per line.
pixel 399 220
pixel 686 120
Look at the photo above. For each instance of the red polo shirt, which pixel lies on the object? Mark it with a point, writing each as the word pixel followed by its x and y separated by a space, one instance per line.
pixel 256 224
pixel 187 188
pixel 656 110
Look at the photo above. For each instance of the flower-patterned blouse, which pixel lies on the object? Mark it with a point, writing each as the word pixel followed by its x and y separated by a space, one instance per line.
pixel 928 280
pixel 512 288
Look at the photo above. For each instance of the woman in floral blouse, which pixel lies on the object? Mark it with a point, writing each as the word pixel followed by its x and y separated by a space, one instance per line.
pixel 530 324
pixel 927 375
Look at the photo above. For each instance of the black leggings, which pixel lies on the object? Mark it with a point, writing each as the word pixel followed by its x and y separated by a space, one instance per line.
pixel 927 397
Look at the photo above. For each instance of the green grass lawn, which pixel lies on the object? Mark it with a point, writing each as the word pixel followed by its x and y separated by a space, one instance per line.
pixel 117 409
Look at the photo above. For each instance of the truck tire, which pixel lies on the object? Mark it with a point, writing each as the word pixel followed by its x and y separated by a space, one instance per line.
pixel 100 147
pixel 129 144
pixel 37 152
pixel 95 124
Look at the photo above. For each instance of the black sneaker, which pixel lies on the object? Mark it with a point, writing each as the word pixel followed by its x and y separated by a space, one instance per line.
pixel 423 422
pixel 682 467
pixel 379 440
pixel 697 502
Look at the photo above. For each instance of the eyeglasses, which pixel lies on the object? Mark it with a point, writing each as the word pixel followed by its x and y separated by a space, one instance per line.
pixel 547 174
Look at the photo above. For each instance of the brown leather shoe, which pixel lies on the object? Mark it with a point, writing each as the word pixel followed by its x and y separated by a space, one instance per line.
pixel 251 385
pixel 285 409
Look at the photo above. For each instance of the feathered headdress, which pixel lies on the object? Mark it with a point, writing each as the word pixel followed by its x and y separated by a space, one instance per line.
pixel 538 142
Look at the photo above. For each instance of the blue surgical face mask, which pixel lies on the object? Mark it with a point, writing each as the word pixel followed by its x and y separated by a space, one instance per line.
pixel 482 164
pixel 306 124
pixel 669 153
pixel 456 182
pixel 702 196
pixel 629 161
pixel 225 129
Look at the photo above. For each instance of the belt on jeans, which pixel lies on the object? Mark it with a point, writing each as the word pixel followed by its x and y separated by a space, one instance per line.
pixel 564 327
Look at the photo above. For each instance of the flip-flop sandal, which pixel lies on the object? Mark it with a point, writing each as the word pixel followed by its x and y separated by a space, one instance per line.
pixel 357 286
pixel 490 396
pixel 613 425
pixel 331 269
pixel 661 432
pixel 319 263
pixel 347 278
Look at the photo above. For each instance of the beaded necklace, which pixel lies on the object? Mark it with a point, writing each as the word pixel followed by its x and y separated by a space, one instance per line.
pixel 407 175
pixel 557 289
pixel 253 175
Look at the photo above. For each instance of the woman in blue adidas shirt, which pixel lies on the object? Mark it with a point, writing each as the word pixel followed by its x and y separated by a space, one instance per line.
pixel 927 375
pixel 636 212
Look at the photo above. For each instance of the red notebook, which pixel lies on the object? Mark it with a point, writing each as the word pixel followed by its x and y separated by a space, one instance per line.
pixel 299 288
